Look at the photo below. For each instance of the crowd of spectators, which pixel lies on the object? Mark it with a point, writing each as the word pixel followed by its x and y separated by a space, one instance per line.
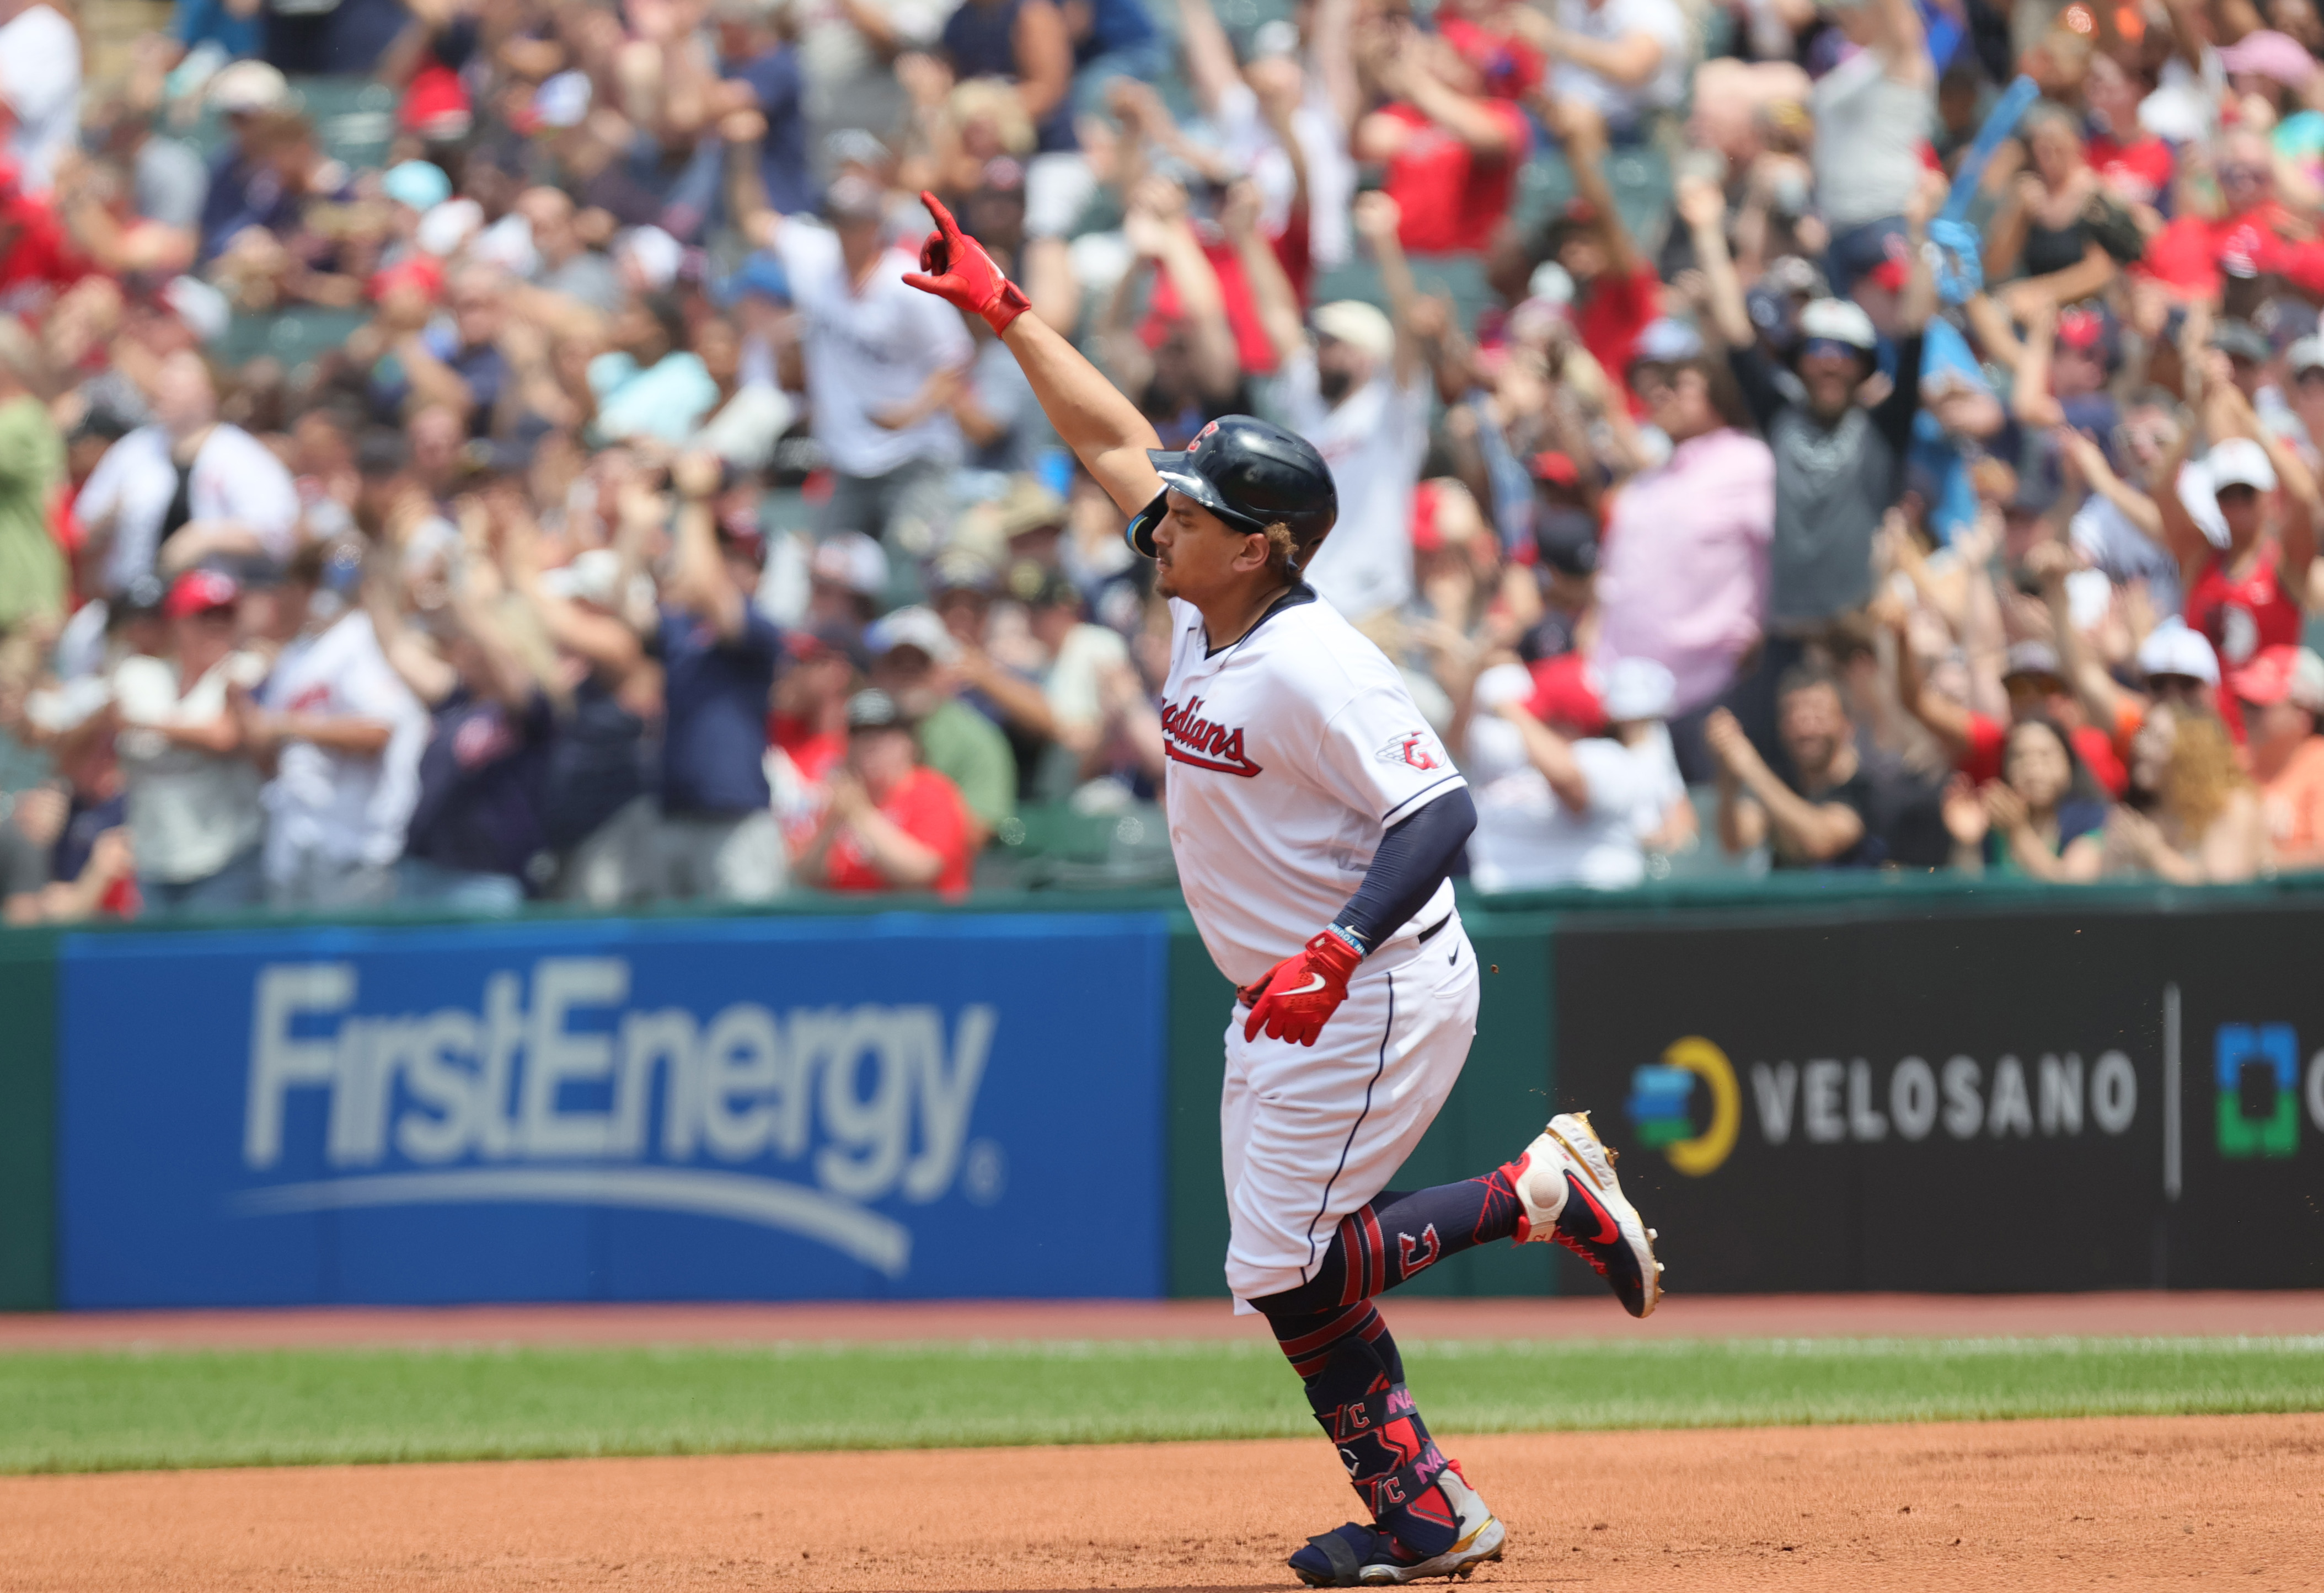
pixel 1749 463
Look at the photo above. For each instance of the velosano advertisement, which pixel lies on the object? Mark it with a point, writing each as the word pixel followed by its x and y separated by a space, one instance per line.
pixel 2017 1101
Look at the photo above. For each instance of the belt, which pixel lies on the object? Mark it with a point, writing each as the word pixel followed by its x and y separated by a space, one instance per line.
pixel 1433 930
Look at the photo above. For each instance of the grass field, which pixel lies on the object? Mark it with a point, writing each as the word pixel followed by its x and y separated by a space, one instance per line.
pixel 123 1411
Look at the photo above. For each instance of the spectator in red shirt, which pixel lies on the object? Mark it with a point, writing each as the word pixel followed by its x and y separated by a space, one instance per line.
pixel 2257 237
pixel 2248 591
pixel 2036 682
pixel 1452 154
pixel 37 257
pixel 2134 165
pixel 892 824
pixel 1617 295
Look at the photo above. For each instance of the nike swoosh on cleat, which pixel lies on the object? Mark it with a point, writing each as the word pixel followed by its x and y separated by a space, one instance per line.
pixel 1612 1233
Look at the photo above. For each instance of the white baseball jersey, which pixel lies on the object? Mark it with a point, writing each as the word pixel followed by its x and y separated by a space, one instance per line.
pixel 1292 752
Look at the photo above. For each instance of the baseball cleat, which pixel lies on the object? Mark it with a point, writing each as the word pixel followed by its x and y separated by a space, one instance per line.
pixel 1565 1181
pixel 1361 1556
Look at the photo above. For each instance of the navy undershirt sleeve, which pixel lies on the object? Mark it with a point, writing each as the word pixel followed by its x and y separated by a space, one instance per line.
pixel 1414 859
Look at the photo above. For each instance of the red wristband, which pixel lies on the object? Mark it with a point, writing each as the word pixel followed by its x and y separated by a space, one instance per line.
pixel 1004 307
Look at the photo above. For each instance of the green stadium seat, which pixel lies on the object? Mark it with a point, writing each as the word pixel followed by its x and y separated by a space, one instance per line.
pixel 294 336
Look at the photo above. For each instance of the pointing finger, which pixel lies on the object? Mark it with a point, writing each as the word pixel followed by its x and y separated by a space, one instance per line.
pixel 944 223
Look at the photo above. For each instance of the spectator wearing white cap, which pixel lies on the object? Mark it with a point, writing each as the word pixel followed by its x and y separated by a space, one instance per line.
pixel 186 487
pixel 39 88
pixel 2179 664
pixel 1579 808
pixel 883 363
pixel 1839 463
pixel 1360 390
pixel 2244 548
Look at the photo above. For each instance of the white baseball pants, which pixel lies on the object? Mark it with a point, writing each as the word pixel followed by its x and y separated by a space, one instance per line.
pixel 1310 1134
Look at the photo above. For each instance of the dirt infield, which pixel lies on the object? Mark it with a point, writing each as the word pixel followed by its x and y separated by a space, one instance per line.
pixel 2031 1505
pixel 1682 1316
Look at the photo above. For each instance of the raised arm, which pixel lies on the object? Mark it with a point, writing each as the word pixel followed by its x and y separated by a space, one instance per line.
pixel 1376 218
pixel 1630 61
pixel 431 678
pixel 2081 456
pixel 1210 59
pixel 1464 116
pixel 1946 720
pixel 2183 539
pixel 1703 208
pixel 1157 224
pixel 698 578
pixel 1901 43
pixel 1584 130
pixel 1103 427
pixel 2049 562
pixel 1271 291
pixel 2030 397
pixel 1333 53
pixel 1551 755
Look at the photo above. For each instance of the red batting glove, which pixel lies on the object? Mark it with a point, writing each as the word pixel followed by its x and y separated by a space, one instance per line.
pixel 1299 994
pixel 955 268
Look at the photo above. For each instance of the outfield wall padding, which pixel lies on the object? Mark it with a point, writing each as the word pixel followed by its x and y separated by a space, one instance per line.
pixel 1822 1084
pixel 28 1034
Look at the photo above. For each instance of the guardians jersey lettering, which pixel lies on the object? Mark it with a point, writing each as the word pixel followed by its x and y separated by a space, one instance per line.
pixel 1191 739
pixel 1293 750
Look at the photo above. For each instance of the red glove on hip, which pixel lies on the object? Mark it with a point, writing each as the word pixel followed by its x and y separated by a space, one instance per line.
pixel 955 268
pixel 1299 994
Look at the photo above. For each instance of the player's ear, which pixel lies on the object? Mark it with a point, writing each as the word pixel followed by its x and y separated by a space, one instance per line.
pixel 1255 552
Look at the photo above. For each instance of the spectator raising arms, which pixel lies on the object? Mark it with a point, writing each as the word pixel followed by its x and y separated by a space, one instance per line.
pixel 1451 152
pixel 719 838
pixel 1872 114
pixel 1360 390
pixel 589 370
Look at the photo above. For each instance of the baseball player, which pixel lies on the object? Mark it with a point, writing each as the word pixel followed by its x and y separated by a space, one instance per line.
pixel 1315 818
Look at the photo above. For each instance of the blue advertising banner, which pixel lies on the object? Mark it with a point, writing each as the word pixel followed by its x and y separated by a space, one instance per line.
pixel 905 1106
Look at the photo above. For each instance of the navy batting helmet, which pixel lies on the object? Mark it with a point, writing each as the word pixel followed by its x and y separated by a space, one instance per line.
pixel 1250 474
